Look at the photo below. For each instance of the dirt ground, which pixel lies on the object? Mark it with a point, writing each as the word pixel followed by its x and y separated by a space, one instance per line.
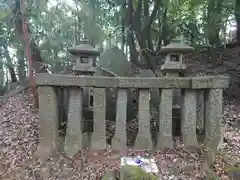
pixel 19 130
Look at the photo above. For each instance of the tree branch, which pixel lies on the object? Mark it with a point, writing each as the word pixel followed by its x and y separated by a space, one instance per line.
pixel 153 15
pixel 137 16
pixel 146 55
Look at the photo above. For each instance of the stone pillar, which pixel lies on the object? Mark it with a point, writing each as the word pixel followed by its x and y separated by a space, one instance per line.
pixel 99 140
pixel 143 139
pixel 48 117
pixel 213 116
pixel 74 135
pixel 165 139
pixel 119 140
pixel 86 92
pixel 189 116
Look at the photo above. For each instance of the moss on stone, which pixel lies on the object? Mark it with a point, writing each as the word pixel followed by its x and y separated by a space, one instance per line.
pixel 129 172
pixel 232 169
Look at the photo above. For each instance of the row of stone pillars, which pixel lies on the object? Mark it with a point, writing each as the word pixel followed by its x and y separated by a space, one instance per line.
pixel 201 100
pixel 74 135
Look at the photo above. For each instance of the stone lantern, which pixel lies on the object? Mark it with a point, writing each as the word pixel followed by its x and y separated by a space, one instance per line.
pixel 174 52
pixel 84 57
pixel 174 66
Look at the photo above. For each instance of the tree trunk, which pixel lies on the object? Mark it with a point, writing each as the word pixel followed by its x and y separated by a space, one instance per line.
pixel 92 4
pixel 130 35
pixel 21 65
pixel 237 17
pixel 35 53
pixel 214 19
pixel 123 7
pixel 9 63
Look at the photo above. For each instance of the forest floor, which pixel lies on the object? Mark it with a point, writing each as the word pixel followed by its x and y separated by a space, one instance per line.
pixel 19 132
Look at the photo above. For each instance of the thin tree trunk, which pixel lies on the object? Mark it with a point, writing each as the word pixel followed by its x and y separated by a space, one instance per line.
pixel 123 27
pixel 130 35
pixel 237 17
pixel 21 65
pixel 9 64
pixel 92 4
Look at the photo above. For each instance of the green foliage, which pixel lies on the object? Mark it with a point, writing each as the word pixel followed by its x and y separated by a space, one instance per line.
pixel 56 25
pixel 4 11
pixel 232 169
pixel 135 172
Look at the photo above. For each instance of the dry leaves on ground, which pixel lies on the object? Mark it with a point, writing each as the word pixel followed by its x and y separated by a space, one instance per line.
pixel 19 140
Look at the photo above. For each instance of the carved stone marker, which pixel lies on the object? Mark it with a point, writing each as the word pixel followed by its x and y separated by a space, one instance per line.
pixel 213 114
pixel 74 135
pixel 119 140
pixel 143 139
pixel 189 117
pixel 98 141
pixel 48 116
pixel 165 120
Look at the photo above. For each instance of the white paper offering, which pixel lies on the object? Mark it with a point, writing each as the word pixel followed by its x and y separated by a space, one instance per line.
pixel 149 165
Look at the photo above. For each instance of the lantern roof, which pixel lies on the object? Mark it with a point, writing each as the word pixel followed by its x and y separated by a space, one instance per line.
pixel 84 50
pixel 177 46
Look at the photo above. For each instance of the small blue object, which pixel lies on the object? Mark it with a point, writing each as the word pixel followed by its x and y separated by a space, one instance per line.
pixel 139 161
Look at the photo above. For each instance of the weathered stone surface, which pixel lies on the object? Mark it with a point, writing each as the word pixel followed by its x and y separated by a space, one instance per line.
pixel 154 93
pixel 48 116
pixel 98 141
pixel 115 60
pixel 74 135
pixel 213 114
pixel 84 68
pixel 173 66
pixel 200 109
pixel 119 140
pixel 202 82
pixel 160 82
pixel 189 116
pixel 84 50
pixel 121 82
pixel 143 140
pixel 165 120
